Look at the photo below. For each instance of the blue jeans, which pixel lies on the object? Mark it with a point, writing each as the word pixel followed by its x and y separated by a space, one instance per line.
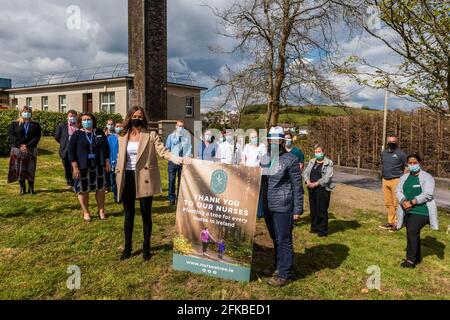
pixel 280 227
pixel 260 212
pixel 174 176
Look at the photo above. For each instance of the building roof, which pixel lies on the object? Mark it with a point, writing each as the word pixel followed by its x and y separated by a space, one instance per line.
pixel 96 81
pixel 118 72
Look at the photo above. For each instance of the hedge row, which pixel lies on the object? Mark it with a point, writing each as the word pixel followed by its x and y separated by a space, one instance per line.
pixel 48 120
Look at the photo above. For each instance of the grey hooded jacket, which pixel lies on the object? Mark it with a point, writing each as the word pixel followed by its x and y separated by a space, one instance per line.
pixel 427 196
pixel 327 173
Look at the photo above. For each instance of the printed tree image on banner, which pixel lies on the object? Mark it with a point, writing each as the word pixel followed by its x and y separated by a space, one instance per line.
pixel 216 218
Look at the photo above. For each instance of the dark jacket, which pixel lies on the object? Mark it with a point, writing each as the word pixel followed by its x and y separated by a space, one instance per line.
pixel 62 137
pixel 17 134
pixel 282 190
pixel 79 148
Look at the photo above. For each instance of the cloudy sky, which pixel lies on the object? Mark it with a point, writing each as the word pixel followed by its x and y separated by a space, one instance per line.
pixel 35 38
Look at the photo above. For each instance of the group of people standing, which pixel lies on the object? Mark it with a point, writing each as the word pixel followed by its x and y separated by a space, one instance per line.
pixel 122 158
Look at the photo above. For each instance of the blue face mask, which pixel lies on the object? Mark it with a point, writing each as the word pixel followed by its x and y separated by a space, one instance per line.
pixel 26 115
pixel 119 130
pixel 110 127
pixel 414 168
pixel 288 143
pixel 254 141
pixel 87 124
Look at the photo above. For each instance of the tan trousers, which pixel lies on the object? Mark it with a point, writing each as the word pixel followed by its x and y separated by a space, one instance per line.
pixel 390 199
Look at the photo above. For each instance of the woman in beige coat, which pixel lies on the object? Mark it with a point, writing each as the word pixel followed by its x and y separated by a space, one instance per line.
pixel 137 174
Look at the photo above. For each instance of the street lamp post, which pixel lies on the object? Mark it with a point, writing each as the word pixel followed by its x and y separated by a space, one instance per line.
pixel 386 100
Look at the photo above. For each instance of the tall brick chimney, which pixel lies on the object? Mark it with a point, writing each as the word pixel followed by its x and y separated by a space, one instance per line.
pixel 147 56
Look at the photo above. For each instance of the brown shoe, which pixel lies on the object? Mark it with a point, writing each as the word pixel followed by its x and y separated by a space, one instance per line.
pixel 278 282
pixel 387 226
pixel 393 229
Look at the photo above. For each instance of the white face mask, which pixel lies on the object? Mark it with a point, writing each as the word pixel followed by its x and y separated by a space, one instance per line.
pixel 208 137
pixel 72 120
pixel 229 139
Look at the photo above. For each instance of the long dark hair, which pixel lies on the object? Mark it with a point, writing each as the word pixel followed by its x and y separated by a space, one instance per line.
pixel 127 122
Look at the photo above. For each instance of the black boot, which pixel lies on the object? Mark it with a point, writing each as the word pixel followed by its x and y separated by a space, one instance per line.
pixel 126 254
pixel 146 252
pixel 31 188
pixel 22 187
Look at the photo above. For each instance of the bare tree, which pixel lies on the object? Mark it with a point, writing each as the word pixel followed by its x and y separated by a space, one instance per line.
pixel 419 33
pixel 287 43
pixel 239 89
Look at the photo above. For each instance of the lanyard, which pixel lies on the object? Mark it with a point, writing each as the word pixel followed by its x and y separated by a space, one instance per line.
pixel 26 127
pixel 90 140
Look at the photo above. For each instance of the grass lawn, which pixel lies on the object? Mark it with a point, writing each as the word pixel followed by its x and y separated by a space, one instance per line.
pixel 42 236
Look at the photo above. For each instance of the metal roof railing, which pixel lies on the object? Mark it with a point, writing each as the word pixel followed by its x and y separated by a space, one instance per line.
pixel 95 73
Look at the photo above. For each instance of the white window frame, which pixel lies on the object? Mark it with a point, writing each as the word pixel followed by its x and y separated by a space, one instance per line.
pixel 190 106
pixel 29 102
pixel 44 107
pixel 108 106
pixel 62 106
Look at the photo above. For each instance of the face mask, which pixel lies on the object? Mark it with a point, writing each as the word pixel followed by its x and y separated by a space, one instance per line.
pixel 208 137
pixel 137 123
pixel 180 129
pixel 254 141
pixel 319 156
pixel 87 124
pixel 229 139
pixel 414 168
pixel 26 115
pixel 118 130
pixel 72 120
pixel 392 146
pixel 110 127
pixel 288 143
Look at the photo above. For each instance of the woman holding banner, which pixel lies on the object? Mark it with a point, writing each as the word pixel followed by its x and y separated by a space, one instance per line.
pixel 283 203
pixel 137 174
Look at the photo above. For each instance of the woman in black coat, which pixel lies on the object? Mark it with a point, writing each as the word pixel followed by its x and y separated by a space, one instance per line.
pixel 89 155
pixel 24 136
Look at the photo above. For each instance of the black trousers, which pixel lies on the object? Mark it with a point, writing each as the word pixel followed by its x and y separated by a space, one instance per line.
pixel 414 224
pixel 319 202
pixel 68 171
pixel 129 205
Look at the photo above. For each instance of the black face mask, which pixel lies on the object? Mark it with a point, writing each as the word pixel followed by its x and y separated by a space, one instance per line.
pixel 136 123
pixel 392 146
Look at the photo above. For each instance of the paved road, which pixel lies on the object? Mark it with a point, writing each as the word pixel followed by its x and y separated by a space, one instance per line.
pixel 442 196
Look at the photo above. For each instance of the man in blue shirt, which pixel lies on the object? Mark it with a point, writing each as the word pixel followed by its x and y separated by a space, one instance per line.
pixel 179 143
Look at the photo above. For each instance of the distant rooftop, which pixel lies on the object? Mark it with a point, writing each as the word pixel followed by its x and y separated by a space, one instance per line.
pixel 95 73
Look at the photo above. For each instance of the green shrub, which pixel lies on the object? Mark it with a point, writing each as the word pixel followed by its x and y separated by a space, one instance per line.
pixel 48 121
pixel 181 245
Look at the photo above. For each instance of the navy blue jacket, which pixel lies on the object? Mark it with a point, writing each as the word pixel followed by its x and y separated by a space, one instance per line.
pixel 62 137
pixel 79 148
pixel 282 191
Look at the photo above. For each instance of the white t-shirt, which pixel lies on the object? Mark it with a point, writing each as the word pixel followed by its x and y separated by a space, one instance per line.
pixel 253 154
pixel 132 152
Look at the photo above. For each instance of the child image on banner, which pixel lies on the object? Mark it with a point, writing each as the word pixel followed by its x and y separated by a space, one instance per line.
pixel 221 248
